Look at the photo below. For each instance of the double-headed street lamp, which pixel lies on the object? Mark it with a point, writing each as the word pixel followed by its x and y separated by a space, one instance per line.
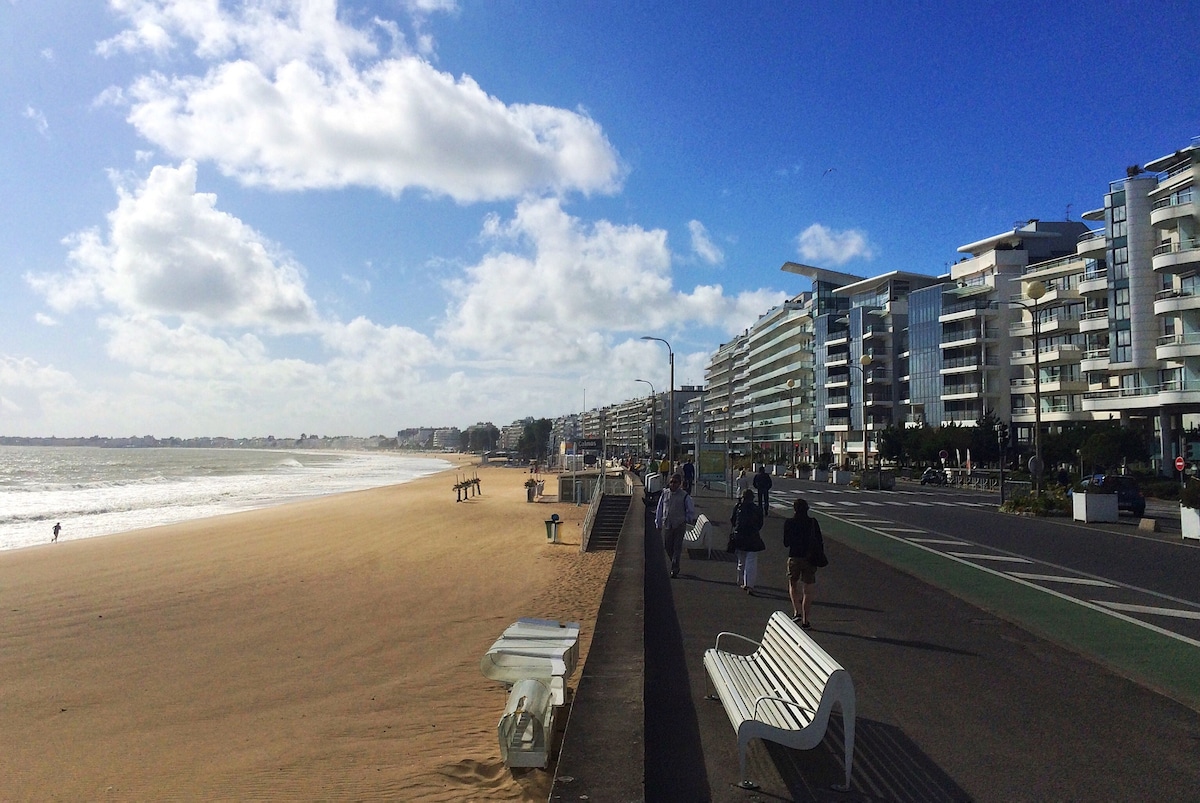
pixel 1035 291
pixel 671 400
pixel 653 414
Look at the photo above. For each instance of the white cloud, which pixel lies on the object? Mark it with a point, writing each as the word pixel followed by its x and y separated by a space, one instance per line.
pixel 703 245
pixel 170 251
pixel 44 319
pixel 294 99
pixel 39 120
pixel 565 289
pixel 819 243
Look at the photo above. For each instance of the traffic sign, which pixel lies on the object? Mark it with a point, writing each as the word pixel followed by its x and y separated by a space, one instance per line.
pixel 1179 463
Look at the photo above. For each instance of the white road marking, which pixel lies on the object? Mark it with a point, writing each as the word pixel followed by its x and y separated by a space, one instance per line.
pixel 1120 606
pixel 1056 578
pixel 1003 558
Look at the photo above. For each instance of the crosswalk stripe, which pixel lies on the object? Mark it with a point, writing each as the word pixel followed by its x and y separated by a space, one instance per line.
pixel 1002 558
pixel 1176 612
pixel 945 541
pixel 1053 578
pixel 907 530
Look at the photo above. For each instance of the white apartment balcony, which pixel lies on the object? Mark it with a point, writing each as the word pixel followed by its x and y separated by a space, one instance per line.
pixel 1166 210
pixel 1094 282
pixel 838 339
pixel 1094 320
pixel 968 392
pixel 1060 322
pixel 1049 385
pixel 969 338
pixel 1056 354
pixel 1050 413
pixel 837 359
pixel 1092 243
pixel 838 401
pixel 1177 347
pixel 1149 397
pixel 967 310
pixel 1169 301
pixel 1094 360
pixel 964 365
pixel 1177 257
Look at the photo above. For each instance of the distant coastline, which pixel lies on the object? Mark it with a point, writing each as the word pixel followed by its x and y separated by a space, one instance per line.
pixel 331 443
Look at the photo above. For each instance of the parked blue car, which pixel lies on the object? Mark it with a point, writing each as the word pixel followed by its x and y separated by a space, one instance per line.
pixel 1129 495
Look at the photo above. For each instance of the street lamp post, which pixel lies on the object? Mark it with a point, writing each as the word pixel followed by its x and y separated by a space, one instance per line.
pixel 671 400
pixel 864 362
pixel 791 384
pixel 653 416
pixel 1001 436
pixel 1034 291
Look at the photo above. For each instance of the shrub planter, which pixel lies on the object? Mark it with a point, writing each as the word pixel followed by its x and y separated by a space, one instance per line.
pixel 1189 518
pixel 819 476
pixel 1093 507
pixel 841 477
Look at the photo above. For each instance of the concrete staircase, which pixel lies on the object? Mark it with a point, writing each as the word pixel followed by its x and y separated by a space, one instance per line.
pixel 610 519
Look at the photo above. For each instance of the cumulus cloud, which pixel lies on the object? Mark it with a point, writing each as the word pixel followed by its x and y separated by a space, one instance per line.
pixel 702 244
pixel 169 251
pixel 819 243
pixel 294 99
pixel 558 290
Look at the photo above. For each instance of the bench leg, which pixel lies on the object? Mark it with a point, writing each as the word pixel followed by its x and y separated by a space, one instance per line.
pixel 848 731
pixel 745 783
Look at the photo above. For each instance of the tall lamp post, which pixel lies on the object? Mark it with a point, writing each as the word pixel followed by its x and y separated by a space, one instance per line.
pixel 864 362
pixel 791 384
pixel 1034 291
pixel 671 400
pixel 653 416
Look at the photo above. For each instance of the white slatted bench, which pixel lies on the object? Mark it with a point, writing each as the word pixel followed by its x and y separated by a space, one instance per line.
pixel 783 692
pixel 700 535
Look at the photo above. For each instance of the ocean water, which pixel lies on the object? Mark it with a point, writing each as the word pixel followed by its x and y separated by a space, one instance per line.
pixel 94 491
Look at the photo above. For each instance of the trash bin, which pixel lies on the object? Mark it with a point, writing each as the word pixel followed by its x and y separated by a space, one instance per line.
pixel 529 493
pixel 552 529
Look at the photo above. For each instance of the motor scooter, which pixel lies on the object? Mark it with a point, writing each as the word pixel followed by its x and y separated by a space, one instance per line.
pixel 933 476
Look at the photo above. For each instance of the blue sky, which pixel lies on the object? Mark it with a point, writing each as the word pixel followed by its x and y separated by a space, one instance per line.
pixel 274 217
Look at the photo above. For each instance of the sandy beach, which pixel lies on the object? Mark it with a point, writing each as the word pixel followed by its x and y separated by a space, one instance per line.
pixel 323 650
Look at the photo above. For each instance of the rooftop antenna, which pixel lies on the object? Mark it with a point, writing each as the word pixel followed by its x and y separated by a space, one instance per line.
pixel 1068 211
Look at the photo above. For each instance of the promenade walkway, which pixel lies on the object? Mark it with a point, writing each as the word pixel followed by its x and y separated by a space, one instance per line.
pixel 954 703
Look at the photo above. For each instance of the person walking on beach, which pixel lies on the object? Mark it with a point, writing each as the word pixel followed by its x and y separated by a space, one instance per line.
pixel 803 539
pixel 57 529
pixel 674 513
pixel 747 524
pixel 762 484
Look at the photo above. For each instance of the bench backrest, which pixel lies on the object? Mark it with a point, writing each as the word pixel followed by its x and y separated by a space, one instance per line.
pixel 804 671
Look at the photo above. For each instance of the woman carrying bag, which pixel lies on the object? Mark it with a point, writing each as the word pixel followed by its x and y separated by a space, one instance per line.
pixel 806 553
pixel 747 541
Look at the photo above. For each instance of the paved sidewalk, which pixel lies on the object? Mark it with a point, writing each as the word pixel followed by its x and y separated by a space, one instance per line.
pixel 953 702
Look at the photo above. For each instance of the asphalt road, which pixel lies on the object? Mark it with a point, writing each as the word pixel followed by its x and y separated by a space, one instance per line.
pixel 1148 577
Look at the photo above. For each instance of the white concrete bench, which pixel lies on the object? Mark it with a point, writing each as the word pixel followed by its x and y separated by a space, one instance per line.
pixel 783 692
pixel 700 535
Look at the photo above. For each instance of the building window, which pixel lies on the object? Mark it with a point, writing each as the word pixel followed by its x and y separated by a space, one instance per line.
pixel 1123 351
pixel 1120 310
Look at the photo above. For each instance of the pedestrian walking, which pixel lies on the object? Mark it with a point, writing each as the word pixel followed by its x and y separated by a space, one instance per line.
pixel 806 552
pixel 747 521
pixel 57 529
pixel 742 484
pixel 674 513
pixel 689 475
pixel 762 484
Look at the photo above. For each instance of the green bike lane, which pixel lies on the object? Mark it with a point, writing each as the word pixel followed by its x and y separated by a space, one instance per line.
pixel 1167 664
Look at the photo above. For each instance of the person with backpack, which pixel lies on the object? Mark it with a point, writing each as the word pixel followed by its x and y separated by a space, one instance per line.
pixel 762 484
pixel 674 513
pixel 806 553
pixel 747 540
